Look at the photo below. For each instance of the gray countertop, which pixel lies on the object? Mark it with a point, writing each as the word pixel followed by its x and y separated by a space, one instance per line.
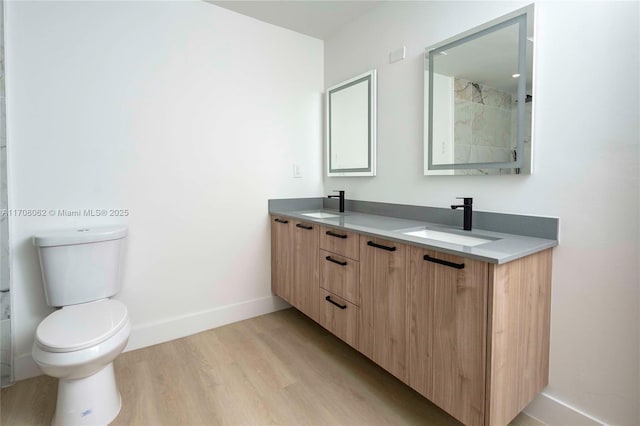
pixel 504 248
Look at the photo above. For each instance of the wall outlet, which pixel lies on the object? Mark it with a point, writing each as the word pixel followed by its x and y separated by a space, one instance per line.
pixel 297 173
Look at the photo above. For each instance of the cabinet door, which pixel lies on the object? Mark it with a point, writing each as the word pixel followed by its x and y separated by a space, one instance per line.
pixel 306 287
pixel 382 323
pixel 282 257
pixel 448 314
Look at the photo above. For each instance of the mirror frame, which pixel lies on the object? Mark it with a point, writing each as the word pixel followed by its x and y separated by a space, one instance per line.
pixel 519 17
pixel 370 170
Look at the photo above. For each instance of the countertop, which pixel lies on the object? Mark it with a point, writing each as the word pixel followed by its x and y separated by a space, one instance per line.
pixel 504 248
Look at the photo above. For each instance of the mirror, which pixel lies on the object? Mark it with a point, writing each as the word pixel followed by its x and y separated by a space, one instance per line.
pixel 351 127
pixel 479 99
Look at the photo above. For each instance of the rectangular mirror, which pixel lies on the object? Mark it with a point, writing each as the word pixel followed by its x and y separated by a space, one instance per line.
pixel 479 99
pixel 351 127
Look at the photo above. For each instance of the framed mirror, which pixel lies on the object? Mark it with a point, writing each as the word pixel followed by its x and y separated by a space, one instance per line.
pixel 351 126
pixel 479 99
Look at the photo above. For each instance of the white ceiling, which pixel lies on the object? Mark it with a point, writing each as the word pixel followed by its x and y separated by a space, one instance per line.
pixel 317 18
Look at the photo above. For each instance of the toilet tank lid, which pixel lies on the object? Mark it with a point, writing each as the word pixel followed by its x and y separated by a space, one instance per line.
pixel 80 236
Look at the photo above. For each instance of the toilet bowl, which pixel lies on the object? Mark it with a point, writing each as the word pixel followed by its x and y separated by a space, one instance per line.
pixel 78 344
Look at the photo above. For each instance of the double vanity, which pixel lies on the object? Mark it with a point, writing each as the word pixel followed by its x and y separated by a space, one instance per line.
pixel 460 316
pixel 459 313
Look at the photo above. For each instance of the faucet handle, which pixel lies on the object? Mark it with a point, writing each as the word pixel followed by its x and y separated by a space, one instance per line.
pixel 467 200
pixel 339 191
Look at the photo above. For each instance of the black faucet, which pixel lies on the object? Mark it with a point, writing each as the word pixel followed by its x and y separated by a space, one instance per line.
pixel 468 211
pixel 341 196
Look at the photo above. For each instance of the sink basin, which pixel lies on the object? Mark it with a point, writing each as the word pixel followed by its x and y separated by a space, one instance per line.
pixel 320 215
pixel 448 237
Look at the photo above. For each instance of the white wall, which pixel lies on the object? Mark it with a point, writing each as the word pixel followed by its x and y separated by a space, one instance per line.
pixel 586 170
pixel 186 114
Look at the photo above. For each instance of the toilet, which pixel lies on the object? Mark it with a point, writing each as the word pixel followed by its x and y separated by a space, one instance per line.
pixel 81 271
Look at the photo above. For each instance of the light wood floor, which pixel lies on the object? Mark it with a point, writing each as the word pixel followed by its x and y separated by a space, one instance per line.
pixel 280 368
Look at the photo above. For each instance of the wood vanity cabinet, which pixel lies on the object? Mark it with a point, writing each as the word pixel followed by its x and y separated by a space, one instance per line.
pixel 471 336
pixel 518 322
pixel 479 333
pixel 448 316
pixel 305 268
pixel 339 283
pixel 294 264
pixel 382 325
pixel 282 257
pixel 339 316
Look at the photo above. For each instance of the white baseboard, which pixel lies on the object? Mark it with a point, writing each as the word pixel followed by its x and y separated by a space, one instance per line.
pixel 24 367
pixel 553 412
pixel 153 333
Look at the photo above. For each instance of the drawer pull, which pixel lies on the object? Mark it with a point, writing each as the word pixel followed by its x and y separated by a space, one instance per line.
pixel 333 234
pixel 307 227
pixel 380 246
pixel 328 299
pixel 443 262
pixel 330 259
pixel 281 221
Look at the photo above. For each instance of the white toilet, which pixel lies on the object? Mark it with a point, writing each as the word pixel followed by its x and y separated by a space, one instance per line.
pixel 81 270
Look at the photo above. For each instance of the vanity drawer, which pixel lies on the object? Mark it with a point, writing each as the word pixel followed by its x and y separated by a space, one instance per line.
pixel 339 317
pixel 340 276
pixel 340 242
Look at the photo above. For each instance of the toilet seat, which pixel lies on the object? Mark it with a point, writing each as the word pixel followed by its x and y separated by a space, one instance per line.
pixel 78 327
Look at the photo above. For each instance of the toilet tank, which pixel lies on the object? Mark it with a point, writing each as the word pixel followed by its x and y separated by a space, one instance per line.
pixel 81 265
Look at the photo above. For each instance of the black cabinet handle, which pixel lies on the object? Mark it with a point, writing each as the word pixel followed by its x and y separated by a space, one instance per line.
pixel 443 262
pixel 299 225
pixel 328 299
pixel 333 234
pixel 380 246
pixel 281 221
pixel 330 259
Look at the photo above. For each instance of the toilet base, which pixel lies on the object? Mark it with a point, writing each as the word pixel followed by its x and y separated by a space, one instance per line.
pixel 93 400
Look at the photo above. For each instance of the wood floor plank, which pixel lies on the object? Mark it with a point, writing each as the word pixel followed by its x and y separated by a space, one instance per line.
pixel 31 402
pixel 133 383
pixel 277 369
pixel 263 368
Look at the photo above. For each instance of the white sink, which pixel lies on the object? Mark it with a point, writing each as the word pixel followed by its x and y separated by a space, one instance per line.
pixel 320 215
pixel 447 237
